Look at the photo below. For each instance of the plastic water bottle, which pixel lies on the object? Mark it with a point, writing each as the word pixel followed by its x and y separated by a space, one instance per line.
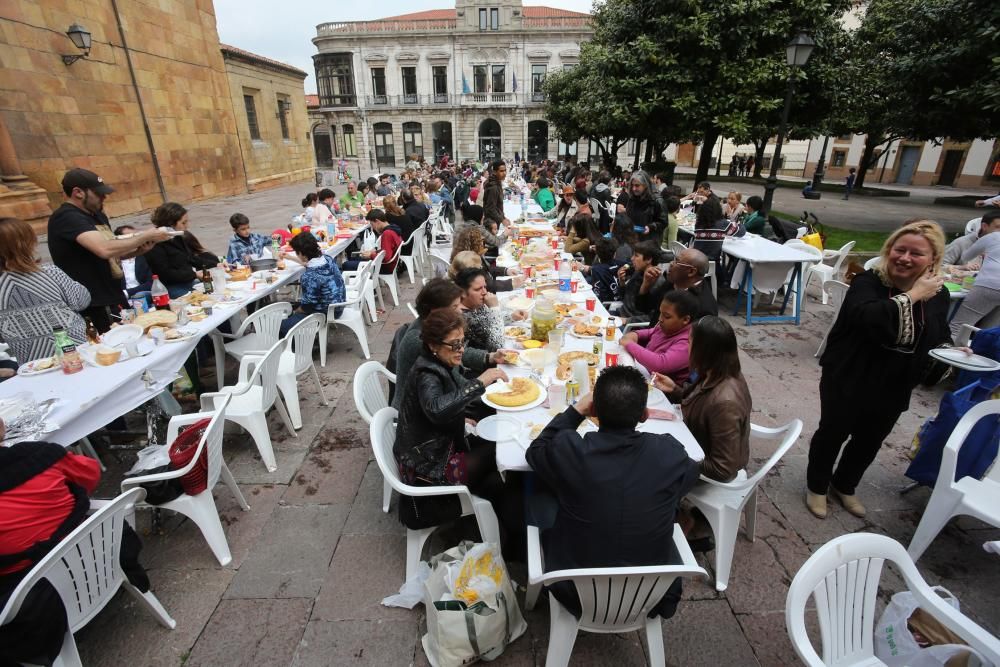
pixel 161 299
pixel 565 275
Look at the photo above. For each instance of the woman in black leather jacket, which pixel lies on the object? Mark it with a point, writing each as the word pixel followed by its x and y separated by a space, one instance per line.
pixel 431 447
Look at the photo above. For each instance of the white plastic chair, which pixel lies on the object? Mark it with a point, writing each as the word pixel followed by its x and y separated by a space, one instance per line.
pixel 440 266
pixel 843 576
pixel 383 435
pixel 965 333
pixel 613 600
pixel 255 394
pixel 389 279
pixel 412 309
pixel 827 272
pixel 723 503
pixel 412 261
pixel 201 508
pixel 837 291
pixel 352 317
pixel 353 279
pixel 968 496
pixel 873 262
pixel 677 248
pixel 296 359
pixel 973 225
pixel 85 571
pixel 369 398
pixel 266 323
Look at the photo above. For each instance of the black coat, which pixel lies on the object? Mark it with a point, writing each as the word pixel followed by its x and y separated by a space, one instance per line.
pixel 618 493
pixel 172 261
pixel 432 419
pixel 862 356
pixel 406 226
pixel 647 213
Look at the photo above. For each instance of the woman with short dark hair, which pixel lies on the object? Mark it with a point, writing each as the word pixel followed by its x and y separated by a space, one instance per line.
pixel 172 260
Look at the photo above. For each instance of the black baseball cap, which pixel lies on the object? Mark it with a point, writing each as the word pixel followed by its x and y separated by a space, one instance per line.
pixel 86 180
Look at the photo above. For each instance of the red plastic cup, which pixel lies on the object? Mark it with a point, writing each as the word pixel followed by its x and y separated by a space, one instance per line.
pixel 591 303
pixel 529 292
pixel 556 260
pixel 528 270
pixel 610 358
pixel 555 243
pixel 572 286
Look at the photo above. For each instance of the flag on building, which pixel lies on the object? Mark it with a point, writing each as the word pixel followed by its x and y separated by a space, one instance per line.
pixel 465 86
pixel 515 82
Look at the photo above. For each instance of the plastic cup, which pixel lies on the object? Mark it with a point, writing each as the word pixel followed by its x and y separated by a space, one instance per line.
pixel 611 355
pixel 591 303
pixel 528 270
pixel 555 243
pixel 529 291
pixel 556 261
pixel 557 397
pixel 556 339
pixel 572 286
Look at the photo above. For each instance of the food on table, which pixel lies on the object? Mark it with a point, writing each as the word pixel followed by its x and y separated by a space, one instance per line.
pixel 196 299
pixel 531 344
pixel 106 356
pixel 582 329
pixel 196 313
pixel 517 333
pixel 43 364
pixel 173 334
pixel 239 274
pixel 155 318
pixel 564 308
pixel 565 362
pixel 543 320
pixel 522 391
pixel 511 357
pixel 596 319
pixel 536 430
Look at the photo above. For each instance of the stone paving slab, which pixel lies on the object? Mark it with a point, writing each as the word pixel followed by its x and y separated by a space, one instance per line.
pixel 252 632
pixel 375 643
pixel 350 592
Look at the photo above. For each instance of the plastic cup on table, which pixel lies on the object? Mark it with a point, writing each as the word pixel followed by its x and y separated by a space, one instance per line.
pixel 573 286
pixel 557 397
pixel 591 303
pixel 527 271
pixel 556 337
pixel 556 261
pixel 611 351
pixel 529 291
pixel 555 243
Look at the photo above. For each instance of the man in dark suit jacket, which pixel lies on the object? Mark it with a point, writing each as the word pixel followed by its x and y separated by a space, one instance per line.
pixel 617 489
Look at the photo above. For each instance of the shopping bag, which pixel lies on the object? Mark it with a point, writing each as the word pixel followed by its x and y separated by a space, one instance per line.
pixel 980 447
pixel 813 239
pixel 472 613
pixel 907 636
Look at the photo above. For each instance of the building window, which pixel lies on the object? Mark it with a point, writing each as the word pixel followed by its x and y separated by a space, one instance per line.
pixel 568 66
pixel 439 73
pixel 284 108
pixel 409 85
pixel 538 140
pixel 479 77
pixel 567 150
pixel 335 79
pixel 499 78
pixel 483 20
pixel 385 152
pixel 537 83
pixel 350 147
pixel 413 141
pixel 494 19
pixel 378 86
pixel 838 159
pixel 251 106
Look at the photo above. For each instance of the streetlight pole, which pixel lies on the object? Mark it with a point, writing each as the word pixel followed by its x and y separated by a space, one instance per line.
pixel 797 52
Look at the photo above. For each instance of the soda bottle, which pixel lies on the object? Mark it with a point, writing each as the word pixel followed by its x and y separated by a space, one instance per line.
pixel 66 352
pixel 161 299
pixel 565 276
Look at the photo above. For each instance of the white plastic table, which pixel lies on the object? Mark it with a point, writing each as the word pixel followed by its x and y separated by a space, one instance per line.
pixel 757 250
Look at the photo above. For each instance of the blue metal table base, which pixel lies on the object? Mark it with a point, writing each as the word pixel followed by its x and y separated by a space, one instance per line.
pixel 746 287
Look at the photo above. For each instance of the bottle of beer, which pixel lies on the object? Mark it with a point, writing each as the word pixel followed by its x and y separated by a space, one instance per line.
pixel 92 336
pixel 66 353
pixel 161 298
pixel 206 281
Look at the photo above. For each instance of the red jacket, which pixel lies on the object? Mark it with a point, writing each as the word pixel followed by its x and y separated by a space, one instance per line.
pixel 31 512
pixel 390 242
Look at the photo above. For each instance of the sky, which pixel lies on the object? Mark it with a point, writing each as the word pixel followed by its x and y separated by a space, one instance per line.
pixel 283 29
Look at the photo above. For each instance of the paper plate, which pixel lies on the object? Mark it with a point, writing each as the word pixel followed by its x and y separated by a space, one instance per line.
pixel 966 362
pixel 31 368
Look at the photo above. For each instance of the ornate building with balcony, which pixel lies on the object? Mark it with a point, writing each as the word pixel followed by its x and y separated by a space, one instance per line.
pixel 465 81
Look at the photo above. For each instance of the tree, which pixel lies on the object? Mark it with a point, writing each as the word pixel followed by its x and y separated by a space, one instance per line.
pixel 718 64
pixel 922 70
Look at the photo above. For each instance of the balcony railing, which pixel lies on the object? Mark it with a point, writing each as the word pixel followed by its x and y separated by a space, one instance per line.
pixel 412 98
pixel 505 99
pixel 556 22
pixel 342 27
pixel 441 98
pixel 338 101
pixel 538 97
pixel 376 100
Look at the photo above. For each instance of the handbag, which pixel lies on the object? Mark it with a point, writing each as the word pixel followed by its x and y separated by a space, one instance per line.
pixel 814 240
pixel 182 449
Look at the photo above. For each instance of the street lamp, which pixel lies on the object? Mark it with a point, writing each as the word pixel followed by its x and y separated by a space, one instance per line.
pixel 797 52
pixel 81 39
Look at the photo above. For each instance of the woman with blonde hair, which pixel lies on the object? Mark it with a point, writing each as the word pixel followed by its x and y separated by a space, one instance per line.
pixel 875 355
pixel 27 284
pixel 470 240
pixel 733 208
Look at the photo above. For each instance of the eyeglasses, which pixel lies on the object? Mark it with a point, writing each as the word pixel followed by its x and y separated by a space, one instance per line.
pixel 455 345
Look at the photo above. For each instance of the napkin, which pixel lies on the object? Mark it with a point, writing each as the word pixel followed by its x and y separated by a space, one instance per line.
pixel 666 415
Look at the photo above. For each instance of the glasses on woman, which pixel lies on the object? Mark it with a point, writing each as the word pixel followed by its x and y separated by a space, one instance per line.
pixel 455 345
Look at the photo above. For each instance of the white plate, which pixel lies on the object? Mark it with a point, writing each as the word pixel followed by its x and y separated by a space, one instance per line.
pixel 88 352
pixel 498 427
pixel 521 408
pixel 120 335
pixel 186 334
pixel 519 303
pixel 960 359
pixel 28 369
pixel 572 333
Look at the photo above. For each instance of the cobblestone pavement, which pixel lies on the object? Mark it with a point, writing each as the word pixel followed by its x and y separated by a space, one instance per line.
pixel 315 555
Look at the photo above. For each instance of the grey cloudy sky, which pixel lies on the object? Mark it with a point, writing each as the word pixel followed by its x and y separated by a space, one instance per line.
pixel 283 29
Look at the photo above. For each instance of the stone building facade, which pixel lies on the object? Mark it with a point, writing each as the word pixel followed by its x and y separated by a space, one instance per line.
pixel 271 120
pixel 466 81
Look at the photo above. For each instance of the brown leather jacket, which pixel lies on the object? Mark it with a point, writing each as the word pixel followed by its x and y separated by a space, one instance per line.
pixel 718 414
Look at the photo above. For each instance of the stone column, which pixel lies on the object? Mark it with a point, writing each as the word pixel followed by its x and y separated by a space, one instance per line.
pixel 10 167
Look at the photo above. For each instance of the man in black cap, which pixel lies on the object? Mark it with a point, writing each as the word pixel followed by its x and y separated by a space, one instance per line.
pixel 82 244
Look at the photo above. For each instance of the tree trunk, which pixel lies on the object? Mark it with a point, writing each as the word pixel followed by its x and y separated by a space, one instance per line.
pixel 638 150
pixel 872 141
pixel 705 155
pixel 649 152
pixel 758 156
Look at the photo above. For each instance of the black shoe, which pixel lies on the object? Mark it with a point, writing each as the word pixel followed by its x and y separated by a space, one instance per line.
pixel 702 544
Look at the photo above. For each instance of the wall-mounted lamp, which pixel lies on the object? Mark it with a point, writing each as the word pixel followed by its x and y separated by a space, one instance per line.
pixel 80 37
pixel 284 107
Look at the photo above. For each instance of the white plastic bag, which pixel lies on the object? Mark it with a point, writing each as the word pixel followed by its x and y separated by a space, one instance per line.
pixel 412 590
pixel 895 645
pixel 151 457
pixel 482 617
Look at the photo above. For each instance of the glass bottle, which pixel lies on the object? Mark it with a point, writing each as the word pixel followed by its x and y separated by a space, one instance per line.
pixel 161 298
pixel 92 336
pixel 206 281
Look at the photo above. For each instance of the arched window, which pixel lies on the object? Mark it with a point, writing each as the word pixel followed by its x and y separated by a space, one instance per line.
pixel 413 141
pixel 350 147
pixel 538 140
pixel 385 152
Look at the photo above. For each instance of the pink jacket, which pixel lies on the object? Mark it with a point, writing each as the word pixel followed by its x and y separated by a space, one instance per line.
pixel 661 353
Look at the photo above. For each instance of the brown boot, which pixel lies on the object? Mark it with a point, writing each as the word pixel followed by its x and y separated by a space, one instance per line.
pixel 816 504
pixel 850 503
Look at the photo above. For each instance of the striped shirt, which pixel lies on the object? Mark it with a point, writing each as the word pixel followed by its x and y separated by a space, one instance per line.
pixel 23 293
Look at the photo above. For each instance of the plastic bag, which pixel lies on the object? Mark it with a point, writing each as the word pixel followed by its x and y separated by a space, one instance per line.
pixel 479 577
pixel 154 456
pixel 412 590
pixel 814 240
pixel 896 646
